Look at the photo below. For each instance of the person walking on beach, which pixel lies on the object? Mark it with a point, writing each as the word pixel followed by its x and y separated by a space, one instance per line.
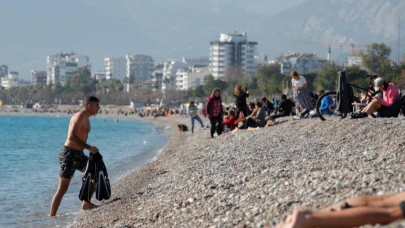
pixel 71 156
pixel 214 110
pixel 193 113
pixel 353 212
pixel 240 95
pixel 301 94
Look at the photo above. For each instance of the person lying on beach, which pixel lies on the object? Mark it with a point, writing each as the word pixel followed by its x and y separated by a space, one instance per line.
pixel 353 212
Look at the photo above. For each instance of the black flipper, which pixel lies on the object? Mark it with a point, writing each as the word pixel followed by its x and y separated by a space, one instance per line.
pixel 87 185
pixel 103 189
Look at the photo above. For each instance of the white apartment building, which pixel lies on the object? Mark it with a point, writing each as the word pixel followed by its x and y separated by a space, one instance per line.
pixel 3 71
pixel 196 62
pixel 63 65
pixel 38 77
pixel 169 71
pixel 355 61
pixel 139 66
pixel 157 76
pixel 191 78
pixel 99 76
pixel 232 50
pixel 299 61
pixel 115 68
pixel 11 80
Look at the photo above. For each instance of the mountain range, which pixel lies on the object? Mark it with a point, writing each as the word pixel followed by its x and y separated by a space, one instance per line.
pixel 171 29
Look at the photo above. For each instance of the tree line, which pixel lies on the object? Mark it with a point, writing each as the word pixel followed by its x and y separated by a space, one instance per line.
pixel 267 81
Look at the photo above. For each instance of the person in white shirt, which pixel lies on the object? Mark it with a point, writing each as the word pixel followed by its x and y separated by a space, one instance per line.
pixel 301 94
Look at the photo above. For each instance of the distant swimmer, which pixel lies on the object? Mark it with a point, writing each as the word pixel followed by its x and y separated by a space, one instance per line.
pixel 71 156
pixel 116 120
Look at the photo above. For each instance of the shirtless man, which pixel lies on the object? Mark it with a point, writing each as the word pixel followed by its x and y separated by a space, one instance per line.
pixel 71 155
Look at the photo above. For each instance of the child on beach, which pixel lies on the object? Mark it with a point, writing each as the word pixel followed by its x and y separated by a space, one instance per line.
pixel 193 113
pixel 230 120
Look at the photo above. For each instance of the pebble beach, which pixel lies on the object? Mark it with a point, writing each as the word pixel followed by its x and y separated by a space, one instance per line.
pixel 255 178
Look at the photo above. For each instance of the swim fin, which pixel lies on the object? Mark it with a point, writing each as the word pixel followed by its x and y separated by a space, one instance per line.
pixel 103 188
pixel 86 190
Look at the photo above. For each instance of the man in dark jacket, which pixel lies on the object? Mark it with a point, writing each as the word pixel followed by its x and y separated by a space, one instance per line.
pixel 284 108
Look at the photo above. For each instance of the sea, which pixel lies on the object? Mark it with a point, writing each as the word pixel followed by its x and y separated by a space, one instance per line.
pixel 29 163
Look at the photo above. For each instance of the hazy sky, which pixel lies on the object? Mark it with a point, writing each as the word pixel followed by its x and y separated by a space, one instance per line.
pixel 31 30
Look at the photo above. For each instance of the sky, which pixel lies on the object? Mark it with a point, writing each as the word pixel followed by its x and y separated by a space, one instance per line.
pixel 31 30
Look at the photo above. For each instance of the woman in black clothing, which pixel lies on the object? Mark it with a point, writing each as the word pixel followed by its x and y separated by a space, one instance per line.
pixel 240 101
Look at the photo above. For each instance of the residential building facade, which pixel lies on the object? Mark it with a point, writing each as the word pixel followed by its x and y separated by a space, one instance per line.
pixel 169 71
pixel 63 65
pixel 191 78
pixel 140 67
pixel 3 71
pixel 232 50
pixel 157 76
pixel 115 68
pixel 299 61
pixel 11 80
pixel 38 77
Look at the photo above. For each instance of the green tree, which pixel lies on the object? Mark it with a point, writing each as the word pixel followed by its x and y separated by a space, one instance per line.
pixel 211 85
pixel 263 75
pixel 199 91
pixel 208 77
pixel 376 59
pixel 327 77
pixel 81 81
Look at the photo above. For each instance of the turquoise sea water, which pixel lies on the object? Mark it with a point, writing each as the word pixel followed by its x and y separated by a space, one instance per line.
pixel 29 163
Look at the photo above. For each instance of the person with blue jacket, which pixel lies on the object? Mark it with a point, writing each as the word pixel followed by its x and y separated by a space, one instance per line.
pixel 326 104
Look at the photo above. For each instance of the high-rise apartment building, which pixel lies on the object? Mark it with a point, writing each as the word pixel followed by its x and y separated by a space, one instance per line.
pixel 63 65
pixel 232 50
pixel 3 71
pixel 140 67
pixel 38 77
pixel 115 68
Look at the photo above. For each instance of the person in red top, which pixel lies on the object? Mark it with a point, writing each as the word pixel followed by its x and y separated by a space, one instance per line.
pixel 387 106
pixel 214 110
pixel 231 120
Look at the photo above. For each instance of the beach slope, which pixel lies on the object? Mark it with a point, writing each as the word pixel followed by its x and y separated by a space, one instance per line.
pixel 251 178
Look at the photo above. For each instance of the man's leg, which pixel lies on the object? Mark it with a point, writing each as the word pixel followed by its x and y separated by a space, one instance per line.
pixel 60 192
pixel 352 217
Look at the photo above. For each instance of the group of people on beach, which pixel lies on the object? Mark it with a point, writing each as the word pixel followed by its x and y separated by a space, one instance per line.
pixel 352 212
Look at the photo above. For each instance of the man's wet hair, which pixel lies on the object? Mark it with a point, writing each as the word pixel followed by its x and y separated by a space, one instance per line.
pixel 90 99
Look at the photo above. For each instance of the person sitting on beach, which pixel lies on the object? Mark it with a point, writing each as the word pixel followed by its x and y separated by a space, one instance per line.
pixel 193 113
pixel 259 120
pixel 388 106
pixel 253 112
pixel 182 128
pixel 267 105
pixel 284 108
pixel 214 110
pixel 353 212
pixel 231 120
